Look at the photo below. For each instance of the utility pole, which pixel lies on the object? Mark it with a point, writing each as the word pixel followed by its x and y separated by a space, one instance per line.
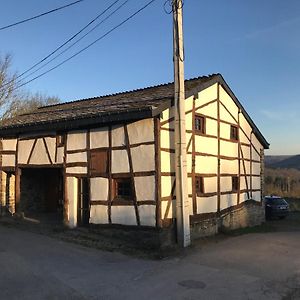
pixel 182 201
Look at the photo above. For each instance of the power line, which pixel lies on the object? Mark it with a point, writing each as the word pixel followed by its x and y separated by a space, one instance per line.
pixel 40 15
pixel 69 47
pixel 88 46
pixel 69 40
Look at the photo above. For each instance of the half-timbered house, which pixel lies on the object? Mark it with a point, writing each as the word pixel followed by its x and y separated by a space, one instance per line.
pixel 110 160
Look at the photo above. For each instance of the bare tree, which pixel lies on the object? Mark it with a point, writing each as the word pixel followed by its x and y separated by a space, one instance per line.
pixel 14 101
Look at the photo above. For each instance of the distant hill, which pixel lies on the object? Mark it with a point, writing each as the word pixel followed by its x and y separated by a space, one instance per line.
pixel 283 161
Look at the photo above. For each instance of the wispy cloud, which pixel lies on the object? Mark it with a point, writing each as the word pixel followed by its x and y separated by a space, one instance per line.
pixel 278 115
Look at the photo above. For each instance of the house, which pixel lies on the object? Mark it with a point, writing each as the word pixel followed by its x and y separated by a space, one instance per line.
pixel 110 160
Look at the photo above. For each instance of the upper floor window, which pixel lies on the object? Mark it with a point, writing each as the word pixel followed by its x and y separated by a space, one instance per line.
pixel 98 162
pixel 199 185
pixel 235 183
pixel 200 124
pixel 234 133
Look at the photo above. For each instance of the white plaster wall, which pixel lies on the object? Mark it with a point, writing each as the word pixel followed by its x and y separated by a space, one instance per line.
pixel 9 144
pixel 118 136
pixel 228 103
pixel 143 158
pixel 229 166
pixel 189 103
pixel 228 200
pixel 39 155
pixel 189 163
pixel 165 160
pixel 76 140
pixel 164 205
pixel 243 197
pixel 167 114
pixel 225 131
pixel 210 184
pixel 189 121
pixel 190 185
pixel 51 145
pixel 229 149
pixel 165 139
pixel 98 214
pixel 226 183
pixel 141 131
pixel 243 182
pixel 60 155
pixel 77 157
pixel 120 162
pixel 211 127
pixel 24 149
pixel 256 196
pixel 246 169
pixel 206 164
pixel 206 144
pixel 76 170
pixel 256 168
pixel 147 215
pixel 72 192
pixel 166 185
pixel 145 188
pixel 256 183
pixel 209 94
pixel 99 137
pixel 209 110
pixel 99 188
pixel 243 138
pixel 255 155
pixel 207 204
pixel 256 144
pixel 245 125
pixel 124 215
pixel 246 151
pixel 8 160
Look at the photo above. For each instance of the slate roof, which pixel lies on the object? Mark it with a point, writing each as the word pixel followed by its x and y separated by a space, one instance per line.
pixel 125 106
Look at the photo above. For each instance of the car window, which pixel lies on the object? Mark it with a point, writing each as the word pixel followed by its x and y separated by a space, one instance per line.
pixel 276 201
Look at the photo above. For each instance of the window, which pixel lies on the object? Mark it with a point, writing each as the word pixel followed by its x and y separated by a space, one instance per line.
pixel 122 189
pixel 99 162
pixel 199 183
pixel 234 133
pixel 200 124
pixel 60 140
pixel 235 183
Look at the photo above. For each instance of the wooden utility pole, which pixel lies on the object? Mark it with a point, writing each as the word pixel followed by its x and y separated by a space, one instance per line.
pixel 182 201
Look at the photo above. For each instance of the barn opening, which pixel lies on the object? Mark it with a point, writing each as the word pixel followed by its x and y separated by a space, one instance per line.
pixel 41 194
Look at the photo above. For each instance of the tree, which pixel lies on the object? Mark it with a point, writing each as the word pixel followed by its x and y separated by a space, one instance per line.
pixel 14 101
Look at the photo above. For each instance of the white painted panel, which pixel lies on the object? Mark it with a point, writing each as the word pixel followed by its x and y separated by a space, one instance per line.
pixel 60 155
pixel 98 214
pixel 72 192
pixel 226 183
pixel 209 110
pixel 165 137
pixel 256 143
pixel 118 135
pixel 120 162
pixel 24 150
pixel 246 151
pixel 207 204
pixel 229 166
pixel 124 215
pixel 145 188
pixel 147 215
pixel 141 131
pixel 210 184
pixel 77 157
pixel 243 185
pixel 245 167
pixel 189 103
pixel 77 170
pixel 256 168
pixel 76 140
pixel 167 161
pixel 225 131
pixel 206 144
pixel 255 155
pixel 243 197
pixel 211 127
pixel 209 94
pixel 225 116
pixel 99 137
pixel 256 183
pixel 9 144
pixel 189 121
pixel 39 155
pixel 190 185
pixel 189 163
pixel 245 125
pixel 166 115
pixel 99 188
pixel 51 145
pixel 229 149
pixel 228 103
pixel 164 205
pixel 188 137
pixel 228 200
pixel 256 196
pixel 143 158
pixel 206 164
pixel 243 138
pixel 8 160
pixel 166 185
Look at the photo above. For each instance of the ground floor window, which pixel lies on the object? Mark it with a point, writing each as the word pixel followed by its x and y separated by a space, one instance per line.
pixel 235 183
pixel 199 185
pixel 122 189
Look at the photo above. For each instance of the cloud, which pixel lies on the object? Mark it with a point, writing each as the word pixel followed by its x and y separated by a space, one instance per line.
pixel 278 115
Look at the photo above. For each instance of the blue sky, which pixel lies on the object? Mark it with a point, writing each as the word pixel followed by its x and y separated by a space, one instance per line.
pixel 254 44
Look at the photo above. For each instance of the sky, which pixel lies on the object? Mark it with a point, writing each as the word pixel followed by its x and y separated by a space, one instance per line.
pixel 254 44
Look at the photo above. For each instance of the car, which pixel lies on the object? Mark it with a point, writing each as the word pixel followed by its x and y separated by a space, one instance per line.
pixel 276 207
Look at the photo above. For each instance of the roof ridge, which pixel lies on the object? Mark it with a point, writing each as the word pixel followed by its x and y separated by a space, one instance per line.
pixel 130 91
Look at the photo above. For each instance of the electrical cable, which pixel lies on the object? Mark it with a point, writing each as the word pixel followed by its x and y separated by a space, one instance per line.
pixel 40 15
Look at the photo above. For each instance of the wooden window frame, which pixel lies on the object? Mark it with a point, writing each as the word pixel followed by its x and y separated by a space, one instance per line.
pixel 122 199
pixel 98 168
pixel 234 133
pixel 235 182
pixel 199 185
pixel 202 122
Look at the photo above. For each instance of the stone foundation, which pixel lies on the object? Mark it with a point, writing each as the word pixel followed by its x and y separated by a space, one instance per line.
pixel 247 214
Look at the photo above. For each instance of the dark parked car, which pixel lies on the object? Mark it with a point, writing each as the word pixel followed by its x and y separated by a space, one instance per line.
pixel 276 207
